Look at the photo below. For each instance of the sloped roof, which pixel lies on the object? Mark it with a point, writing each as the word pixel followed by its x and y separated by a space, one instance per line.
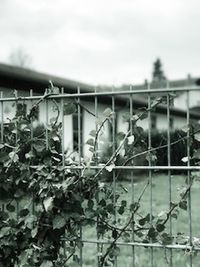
pixel 13 77
pixel 189 81
pixel 21 78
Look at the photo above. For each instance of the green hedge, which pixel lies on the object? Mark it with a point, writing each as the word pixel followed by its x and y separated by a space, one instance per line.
pixel 178 151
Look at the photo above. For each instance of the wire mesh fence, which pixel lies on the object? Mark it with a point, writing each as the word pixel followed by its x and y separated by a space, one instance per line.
pixel 142 183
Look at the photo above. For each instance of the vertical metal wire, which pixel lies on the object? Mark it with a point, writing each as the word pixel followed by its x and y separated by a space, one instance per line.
pixel 63 154
pixel 189 180
pixel 62 131
pixel 96 163
pixel 113 172
pixel 2 119
pixel 16 102
pixel 31 94
pixel 47 122
pixel 79 152
pixel 132 178
pixel 16 137
pixel 150 171
pixel 169 171
pixel 63 127
pixel 31 127
pixel 2 129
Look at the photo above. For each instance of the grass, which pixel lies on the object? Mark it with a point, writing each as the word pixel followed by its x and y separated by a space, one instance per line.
pixel 160 202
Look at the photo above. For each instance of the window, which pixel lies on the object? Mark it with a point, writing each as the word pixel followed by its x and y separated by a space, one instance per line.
pixel 21 109
pixel 35 113
pixel 153 122
pixel 171 123
pixel 112 126
pixel 76 131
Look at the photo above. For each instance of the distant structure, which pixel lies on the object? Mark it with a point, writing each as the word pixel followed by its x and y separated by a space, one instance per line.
pixel 158 73
pixel 16 78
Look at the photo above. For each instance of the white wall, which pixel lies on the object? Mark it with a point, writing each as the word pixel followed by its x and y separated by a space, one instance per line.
pixel 48 111
pixel 89 124
pixel 89 121
pixel 181 100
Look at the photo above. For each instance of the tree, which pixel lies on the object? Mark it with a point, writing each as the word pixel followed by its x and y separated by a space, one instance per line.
pixel 20 58
pixel 158 74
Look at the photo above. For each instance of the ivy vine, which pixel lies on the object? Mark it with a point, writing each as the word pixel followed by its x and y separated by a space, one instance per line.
pixel 45 202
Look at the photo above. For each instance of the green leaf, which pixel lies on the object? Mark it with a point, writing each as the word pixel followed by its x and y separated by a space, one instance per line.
pixel 110 208
pixel 92 133
pixel 90 142
pixel 126 116
pixel 160 227
pixel 156 102
pixel 151 157
pixel 185 128
pixel 120 136
pixel 114 233
pixel 102 203
pixel 10 207
pixel 55 138
pixel 183 205
pixel 110 167
pixel 152 233
pixel 115 252
pixel 167 239
pixel 23 212
pixel 69 108
pixel 46 263
pixel 91 149
pixel 124 203
pixel 107 112
pixel 90 204
pixel 48 203
pixel 30 220
pixel 58 222
pixel 131 139
pixel 34 232
pixel 39 146
pixel 121 210
pixel 134 206
pixel 29 155
pixel 135 118
pixel 181 239
pixel 127 236
pixel 174 215
pixel 2 146
pixel 184 159
pixel 13 156
pixel 145 219
pixel 197 154
pixel 4 231
pixel 197 136
pixel 143 115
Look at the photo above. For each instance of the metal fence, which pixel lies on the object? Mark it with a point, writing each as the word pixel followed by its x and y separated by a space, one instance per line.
pixel 150 250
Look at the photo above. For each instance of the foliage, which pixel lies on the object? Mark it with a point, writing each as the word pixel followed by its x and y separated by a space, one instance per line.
pixel 19 57
pixel 48 196
pixel 178 150
pixel 158 74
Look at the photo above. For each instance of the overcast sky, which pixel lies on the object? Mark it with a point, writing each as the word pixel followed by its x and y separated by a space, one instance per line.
pixel 103 41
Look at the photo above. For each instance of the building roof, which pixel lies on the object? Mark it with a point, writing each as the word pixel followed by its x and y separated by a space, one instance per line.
pixel 13 77
pixel 189 81
pixel 25 79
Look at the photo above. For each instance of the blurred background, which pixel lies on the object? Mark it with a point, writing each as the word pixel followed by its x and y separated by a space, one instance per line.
pixel 108 42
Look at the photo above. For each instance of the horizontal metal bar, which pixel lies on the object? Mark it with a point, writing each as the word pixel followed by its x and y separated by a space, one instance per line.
pixel 108 93
pixel 140 244
pixel 190 168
